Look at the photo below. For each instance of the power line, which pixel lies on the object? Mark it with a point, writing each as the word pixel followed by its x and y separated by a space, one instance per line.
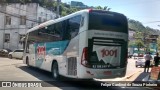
pixel 18 16
pixel 27 11
pixel 126 4
pixel 151 22
pixel 11 28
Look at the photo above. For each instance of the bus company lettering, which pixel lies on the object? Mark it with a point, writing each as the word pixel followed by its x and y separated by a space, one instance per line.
pixel 106 52
pixel 41 51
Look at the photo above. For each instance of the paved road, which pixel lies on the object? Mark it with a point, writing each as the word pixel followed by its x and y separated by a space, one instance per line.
pixel 131 67
pixel 15 70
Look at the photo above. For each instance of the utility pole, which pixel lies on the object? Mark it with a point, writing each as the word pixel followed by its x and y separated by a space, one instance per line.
pixel 4 9
pixel 58 4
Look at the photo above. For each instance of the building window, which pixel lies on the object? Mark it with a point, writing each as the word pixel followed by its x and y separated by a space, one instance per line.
pixel 8 20
pixel 22 20
pixel 7 38
pixel 20 37
pixel 39 19
pixel 44 20
pixel 32 25
pixel 51 17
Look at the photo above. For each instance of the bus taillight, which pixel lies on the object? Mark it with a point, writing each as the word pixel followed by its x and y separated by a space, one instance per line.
pixel 90 10
pixel 84 58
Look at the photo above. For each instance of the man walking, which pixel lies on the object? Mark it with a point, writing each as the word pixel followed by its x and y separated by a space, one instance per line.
pixel 148 57
pixel 156 60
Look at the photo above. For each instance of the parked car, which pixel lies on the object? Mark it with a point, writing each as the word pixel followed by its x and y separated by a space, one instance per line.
pixel 140 61
pixel 5 52
pixel 135 54
pixel 16 54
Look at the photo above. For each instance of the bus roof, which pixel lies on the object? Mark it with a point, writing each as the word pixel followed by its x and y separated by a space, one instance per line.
pixel 57 20
pixel 63 18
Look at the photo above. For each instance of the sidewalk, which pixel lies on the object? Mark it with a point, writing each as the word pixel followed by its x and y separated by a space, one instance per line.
pixel 138 76
pixel 130 77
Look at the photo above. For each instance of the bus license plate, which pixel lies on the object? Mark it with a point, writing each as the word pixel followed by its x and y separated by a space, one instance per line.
pixel 107 73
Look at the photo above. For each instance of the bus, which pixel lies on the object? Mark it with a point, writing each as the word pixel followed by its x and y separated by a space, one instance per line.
pixel 86 44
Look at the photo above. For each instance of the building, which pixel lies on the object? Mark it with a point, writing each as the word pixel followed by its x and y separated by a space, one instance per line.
pixel 131 34
pixel 78 4
pixel 17 18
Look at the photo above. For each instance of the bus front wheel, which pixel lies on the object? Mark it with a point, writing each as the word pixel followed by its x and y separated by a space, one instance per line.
pixel 55 71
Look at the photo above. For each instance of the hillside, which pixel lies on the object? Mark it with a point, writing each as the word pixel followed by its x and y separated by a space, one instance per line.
pixel 138 26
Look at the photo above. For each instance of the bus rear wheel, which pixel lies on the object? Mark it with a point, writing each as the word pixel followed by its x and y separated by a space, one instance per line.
pixel 55 71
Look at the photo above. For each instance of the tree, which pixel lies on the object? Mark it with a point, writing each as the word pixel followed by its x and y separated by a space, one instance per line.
pixel 158 43
pixel 2 1
pixel 131 44
pixel 98 7
pixel 106 8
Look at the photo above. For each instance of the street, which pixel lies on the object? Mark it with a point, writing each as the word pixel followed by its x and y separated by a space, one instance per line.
pixel 15 70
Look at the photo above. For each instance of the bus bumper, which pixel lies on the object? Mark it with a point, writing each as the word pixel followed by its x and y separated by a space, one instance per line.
pixel 102 73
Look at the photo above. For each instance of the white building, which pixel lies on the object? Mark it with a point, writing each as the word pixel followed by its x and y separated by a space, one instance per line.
pixel 16 19
pixel 131 34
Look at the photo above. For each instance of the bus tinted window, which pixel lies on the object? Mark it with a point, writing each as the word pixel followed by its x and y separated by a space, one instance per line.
pixel 47 34
pixel 71 27
pixel 74 24
pixel 109 21
pixel 64 30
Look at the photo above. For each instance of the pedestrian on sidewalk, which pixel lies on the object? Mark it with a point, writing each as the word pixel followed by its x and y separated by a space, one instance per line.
pixel 148 57
pixel 156 60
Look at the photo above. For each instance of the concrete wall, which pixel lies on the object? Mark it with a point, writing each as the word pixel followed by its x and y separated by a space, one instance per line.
pixel 32 11
pixel 2 8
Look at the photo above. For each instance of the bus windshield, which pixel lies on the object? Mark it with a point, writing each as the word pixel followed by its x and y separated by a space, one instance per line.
pixel 109 21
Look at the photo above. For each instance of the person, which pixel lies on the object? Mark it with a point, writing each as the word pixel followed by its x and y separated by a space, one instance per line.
pixel 156 60
pixel 148 57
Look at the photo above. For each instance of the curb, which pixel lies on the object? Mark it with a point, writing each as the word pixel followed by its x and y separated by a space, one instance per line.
pixel 120 79
pixel 129 76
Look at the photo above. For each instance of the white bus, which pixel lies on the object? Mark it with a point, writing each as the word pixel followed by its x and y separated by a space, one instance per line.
pixel 86 44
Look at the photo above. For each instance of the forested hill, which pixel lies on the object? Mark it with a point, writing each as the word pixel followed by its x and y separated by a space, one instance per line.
pixel 138 26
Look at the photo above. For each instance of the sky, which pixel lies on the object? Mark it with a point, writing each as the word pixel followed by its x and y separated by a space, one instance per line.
pixel 145 11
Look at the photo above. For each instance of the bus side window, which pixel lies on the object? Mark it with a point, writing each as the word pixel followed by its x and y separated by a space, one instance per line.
pixel 65 30
pixel 82 21
pixel 74 25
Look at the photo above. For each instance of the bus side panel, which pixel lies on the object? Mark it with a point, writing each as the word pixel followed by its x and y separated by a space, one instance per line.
pixel 31 55
pixel 68 66
pixel 45 53
pixel 83 42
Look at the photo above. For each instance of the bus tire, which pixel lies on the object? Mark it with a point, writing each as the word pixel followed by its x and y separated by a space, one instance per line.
pixel 55 71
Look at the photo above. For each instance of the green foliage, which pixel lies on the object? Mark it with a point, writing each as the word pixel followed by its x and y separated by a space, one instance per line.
pixel 139 43
pixel 106 8
pixel 138 27
pixel 141 33
pixel 158 43
pixel 98 7
pixel 131 43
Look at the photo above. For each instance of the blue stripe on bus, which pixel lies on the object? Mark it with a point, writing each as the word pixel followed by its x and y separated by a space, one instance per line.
pixel 51 48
